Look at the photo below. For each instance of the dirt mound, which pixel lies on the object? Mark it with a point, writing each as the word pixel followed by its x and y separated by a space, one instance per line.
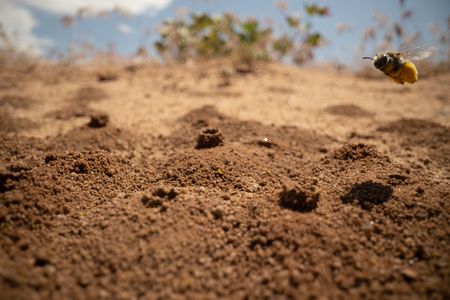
pixel 209 138
pixel 107 76
pixel 246 132
pixel 61 183
pixel 252 157
pixel 299 199
pixel 91 138
pixel 77 105
pixel 227 168
pixel 98 120
pixel 357 151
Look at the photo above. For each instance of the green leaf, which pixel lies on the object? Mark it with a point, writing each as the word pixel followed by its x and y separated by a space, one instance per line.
pixel 283 45
pixel 249 33
pixel 160 47
pixel 314 39
pixel 201 22
pixel 293 22
pixel 313 9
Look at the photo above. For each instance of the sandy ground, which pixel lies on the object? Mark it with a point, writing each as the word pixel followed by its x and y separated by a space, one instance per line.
pixel 145 182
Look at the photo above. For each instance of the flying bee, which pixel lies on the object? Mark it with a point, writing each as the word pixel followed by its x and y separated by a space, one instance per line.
pixel 398 65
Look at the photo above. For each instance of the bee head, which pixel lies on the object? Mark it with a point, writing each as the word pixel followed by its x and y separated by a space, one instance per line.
pixel 380 60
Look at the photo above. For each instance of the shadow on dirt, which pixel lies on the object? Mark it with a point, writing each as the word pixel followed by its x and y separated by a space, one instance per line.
pixel 368 194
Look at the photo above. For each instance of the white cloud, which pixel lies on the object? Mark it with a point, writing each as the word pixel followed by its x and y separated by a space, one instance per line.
pixel 124 28
pixel 19 23
pixel 62 7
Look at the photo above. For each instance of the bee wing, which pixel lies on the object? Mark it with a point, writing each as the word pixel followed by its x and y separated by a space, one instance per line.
pixel 418 53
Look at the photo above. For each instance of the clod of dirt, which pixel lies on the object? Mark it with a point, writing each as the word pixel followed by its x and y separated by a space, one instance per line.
pixel 299 199
pixel 132 68
pixel 225 196
pixel 355 151
pixel 80 166
pixel 209 138
pixel 102 77
pixel 217 212
pixel 244 68
pixel 164 192
pixel 98 120
pixel 158 196
pixel 419 191
pixel 225 77
pixel 10 175
pixel 368 194
pixel 224 83
pixel 49 157
pixel 397 179
pixel 151 201
pixel 357 135
pixel 409 274
pixel 265 142
pixel 41 259
pixel 7 180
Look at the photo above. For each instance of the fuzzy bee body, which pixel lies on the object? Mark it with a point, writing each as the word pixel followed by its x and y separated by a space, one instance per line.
pixel 398 65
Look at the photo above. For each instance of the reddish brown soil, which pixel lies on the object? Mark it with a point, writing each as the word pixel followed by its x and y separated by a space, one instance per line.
pixel 162 182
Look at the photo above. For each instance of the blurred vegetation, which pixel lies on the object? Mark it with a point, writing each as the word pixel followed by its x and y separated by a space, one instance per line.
pixel 13 59
pixel 202 36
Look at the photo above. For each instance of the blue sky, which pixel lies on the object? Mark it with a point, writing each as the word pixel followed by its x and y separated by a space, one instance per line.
pixel 36 23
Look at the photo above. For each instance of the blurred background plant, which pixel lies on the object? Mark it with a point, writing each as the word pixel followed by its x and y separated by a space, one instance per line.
pixel 15 59
pixel 300 40
pixel 202 36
